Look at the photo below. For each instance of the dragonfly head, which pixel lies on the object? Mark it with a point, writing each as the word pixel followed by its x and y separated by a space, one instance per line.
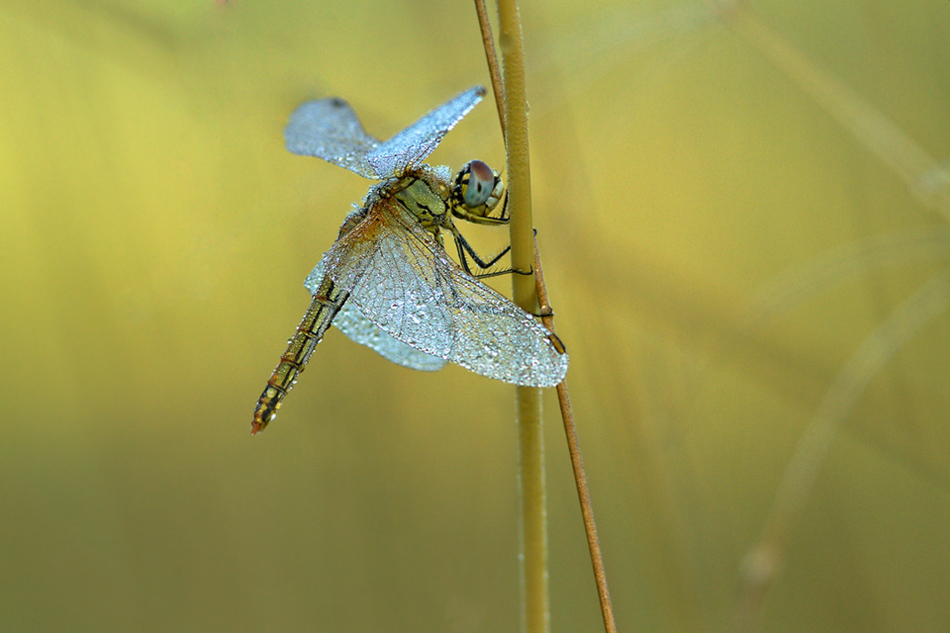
pixel 477 191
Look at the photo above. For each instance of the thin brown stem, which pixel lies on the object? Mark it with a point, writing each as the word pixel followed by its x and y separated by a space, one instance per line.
pixel 577 462
pixel 488 43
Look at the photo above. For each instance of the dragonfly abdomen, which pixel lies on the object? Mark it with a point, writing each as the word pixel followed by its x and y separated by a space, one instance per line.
pixel 309 333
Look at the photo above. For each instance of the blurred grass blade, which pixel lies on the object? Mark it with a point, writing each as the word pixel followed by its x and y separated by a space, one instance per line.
pixel 902 154
pixel 764 560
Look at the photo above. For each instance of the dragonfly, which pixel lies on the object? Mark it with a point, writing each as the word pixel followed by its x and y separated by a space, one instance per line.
pixel 387 281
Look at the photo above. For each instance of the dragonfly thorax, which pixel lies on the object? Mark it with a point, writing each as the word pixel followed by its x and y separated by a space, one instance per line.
pixel 425 198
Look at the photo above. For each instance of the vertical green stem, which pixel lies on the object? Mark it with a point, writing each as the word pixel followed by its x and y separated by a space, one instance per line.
pixel 535 613
pixel 534 540
pixel 521 226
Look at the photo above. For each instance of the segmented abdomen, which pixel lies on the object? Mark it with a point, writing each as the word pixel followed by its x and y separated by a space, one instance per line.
pixel 326 303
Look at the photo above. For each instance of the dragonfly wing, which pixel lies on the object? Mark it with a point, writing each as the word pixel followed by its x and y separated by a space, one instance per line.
pixel 411 146
pixel 401 279
pixel 329 129
pixel 358 328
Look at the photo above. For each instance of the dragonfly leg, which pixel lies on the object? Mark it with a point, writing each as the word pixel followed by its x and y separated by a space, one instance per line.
pixel 464 247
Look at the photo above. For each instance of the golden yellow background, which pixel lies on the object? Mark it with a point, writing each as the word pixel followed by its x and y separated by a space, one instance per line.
pixel 156 236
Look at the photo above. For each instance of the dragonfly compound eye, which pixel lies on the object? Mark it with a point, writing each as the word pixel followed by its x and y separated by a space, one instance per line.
pixel 481 184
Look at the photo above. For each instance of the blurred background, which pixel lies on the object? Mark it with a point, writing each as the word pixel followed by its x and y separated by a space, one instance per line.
pixel 743 214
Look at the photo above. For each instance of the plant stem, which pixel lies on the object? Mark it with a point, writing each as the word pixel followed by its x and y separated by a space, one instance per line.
pixel 577 462
pixel 534 540
pixel 521 226
pixel 488 43
pixel 535 611
pixel 580 478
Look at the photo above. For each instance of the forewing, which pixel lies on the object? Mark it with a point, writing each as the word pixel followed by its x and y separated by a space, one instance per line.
pixel 411 146
pixel 329 129
pixel 401 279
pixel 358 328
